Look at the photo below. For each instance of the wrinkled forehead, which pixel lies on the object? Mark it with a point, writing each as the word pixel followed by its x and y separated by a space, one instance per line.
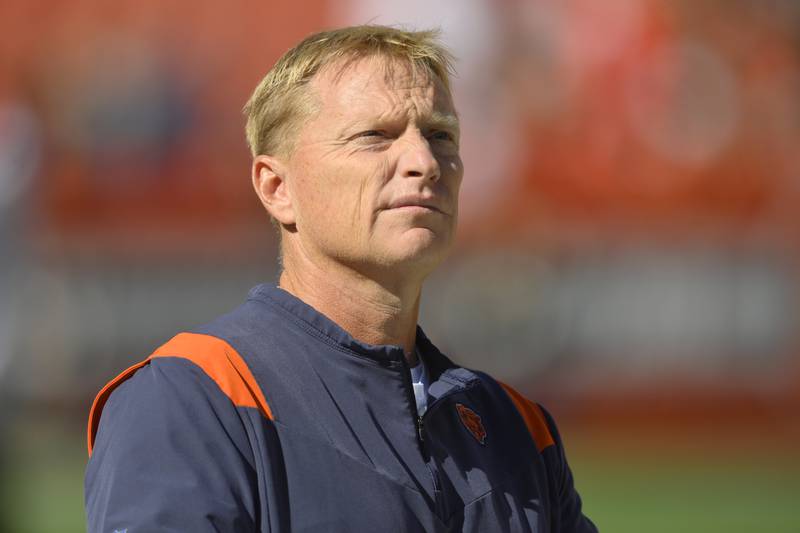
pixel 356 74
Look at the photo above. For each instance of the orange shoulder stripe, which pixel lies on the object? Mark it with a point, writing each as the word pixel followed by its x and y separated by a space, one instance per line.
pixel 102 397
pixel 218 360
pixel 533 417
pixel 222 363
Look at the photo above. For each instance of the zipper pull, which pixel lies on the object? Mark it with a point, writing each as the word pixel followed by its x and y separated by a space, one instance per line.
pixel 420 427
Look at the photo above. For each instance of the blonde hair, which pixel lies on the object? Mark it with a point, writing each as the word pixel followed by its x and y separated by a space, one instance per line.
pixel 281 101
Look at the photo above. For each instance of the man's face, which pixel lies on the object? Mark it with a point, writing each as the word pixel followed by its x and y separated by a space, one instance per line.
pixel 374 175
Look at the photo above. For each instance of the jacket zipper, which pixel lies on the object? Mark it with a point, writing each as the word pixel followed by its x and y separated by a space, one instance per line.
pixel 438 497
pixel 420 423
pixel 439 500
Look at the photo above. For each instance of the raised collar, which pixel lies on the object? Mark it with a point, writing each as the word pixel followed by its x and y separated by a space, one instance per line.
pixel 327 330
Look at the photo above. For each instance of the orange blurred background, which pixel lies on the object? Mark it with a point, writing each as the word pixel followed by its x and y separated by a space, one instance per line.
pixel 628 249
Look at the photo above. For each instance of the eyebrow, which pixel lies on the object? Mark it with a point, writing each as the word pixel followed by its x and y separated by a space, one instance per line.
pixel 435 120
pixel 438 119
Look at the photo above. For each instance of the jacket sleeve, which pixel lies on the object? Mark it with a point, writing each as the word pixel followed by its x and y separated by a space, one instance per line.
pixel 171 454
pixel 570 515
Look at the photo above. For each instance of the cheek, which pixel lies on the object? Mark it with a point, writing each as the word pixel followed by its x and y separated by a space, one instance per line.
pixel 453 171
pixel 337 200
pixel 361 194
pixel 458 168
pixel 312 190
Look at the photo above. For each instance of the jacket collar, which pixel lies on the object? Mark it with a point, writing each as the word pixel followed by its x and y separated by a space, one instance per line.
pixel 323 327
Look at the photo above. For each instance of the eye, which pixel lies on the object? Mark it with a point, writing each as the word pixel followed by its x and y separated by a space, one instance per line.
pixel 369 133
pixel 442 135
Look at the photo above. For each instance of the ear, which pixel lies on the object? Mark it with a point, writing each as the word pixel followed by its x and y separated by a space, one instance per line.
pixel 269 181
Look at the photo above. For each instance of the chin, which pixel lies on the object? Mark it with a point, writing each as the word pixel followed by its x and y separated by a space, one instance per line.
pixel 419 248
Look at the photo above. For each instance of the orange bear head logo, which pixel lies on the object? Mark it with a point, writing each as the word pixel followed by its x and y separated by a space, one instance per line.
pixel 472 421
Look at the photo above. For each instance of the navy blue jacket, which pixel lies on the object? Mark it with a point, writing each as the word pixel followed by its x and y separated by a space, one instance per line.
pixel 273 418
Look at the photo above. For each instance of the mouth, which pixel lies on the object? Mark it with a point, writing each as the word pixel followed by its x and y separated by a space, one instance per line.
pixel 415 205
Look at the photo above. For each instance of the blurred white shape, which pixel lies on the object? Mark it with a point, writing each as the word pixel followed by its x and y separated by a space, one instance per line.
pixel 42 346
pixel 6 328
pixel 78 322
pixel 534 68
pixel 774 102
pixel 20 150
pixel 639 314
pixel 472 42
pixel 593 34
pixel 647 308
pixel 684 104
pixel 485 311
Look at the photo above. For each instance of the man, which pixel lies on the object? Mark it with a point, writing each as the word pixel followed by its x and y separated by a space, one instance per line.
pixel 319 405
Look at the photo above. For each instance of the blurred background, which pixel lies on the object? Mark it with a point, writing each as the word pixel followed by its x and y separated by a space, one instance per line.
pixel 628 251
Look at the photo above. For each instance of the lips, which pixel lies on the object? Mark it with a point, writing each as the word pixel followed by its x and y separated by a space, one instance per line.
pixel 419 202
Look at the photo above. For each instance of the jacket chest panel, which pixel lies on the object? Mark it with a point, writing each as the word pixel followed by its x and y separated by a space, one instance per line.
pixel 476 446
pixel 331 491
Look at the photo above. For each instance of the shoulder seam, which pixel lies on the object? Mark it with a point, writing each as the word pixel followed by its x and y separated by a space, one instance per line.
pixel 230 372
pixel 214 356
pixel 533 417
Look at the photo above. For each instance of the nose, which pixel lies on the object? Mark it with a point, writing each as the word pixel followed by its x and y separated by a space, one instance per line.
pixel 417 159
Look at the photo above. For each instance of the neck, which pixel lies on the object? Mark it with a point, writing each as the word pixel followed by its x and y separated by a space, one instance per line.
pixel 371 312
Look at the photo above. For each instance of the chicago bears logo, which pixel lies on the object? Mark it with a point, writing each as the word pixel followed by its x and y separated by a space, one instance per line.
pixel 472 421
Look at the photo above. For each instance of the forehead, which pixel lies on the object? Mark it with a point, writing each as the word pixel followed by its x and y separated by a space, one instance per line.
pixel 363 83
